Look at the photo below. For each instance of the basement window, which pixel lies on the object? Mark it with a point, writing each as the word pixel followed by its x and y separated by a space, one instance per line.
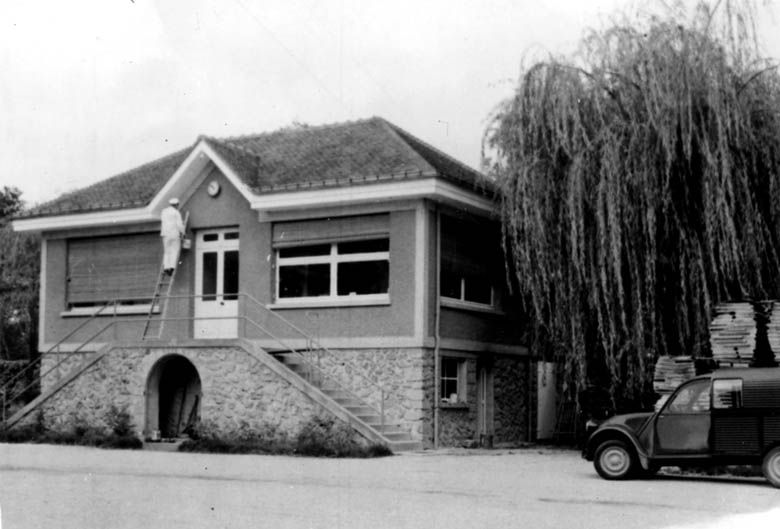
pixel 452 382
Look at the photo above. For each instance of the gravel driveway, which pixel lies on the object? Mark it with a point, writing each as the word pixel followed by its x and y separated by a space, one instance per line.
pixel 63 487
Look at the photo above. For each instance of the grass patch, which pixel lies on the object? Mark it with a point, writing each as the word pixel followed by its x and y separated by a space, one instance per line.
pixel 319 437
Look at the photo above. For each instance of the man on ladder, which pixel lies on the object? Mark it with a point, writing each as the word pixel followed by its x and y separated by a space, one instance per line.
pixel 171 231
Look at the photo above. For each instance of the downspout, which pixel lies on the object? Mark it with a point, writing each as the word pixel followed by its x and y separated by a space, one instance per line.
pixel 437 333
pixel 529 430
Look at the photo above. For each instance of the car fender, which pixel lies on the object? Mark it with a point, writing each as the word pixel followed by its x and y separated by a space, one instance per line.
pixel 620 432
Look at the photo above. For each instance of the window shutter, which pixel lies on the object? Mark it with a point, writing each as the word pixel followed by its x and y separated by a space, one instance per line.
pixel 121 267
pixel 330 229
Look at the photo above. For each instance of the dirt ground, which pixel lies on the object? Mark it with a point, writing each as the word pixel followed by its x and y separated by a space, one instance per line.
pixel 75 487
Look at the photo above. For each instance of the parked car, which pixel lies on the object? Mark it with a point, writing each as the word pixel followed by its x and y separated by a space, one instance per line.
pixel 728 417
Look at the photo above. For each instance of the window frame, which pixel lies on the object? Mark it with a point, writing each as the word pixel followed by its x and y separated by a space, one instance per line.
pixel 467 243
pixel 332 259
pixel 460 382
pixel 735 387
pixel 696 405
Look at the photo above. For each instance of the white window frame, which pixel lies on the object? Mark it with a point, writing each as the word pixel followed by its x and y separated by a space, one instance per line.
pixel 333 258
pixel 460 381
pixel 462 302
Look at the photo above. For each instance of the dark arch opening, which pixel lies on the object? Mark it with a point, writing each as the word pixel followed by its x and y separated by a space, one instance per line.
pixel 173 397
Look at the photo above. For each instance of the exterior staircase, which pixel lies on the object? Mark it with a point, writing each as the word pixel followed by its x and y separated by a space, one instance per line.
pixel 395 436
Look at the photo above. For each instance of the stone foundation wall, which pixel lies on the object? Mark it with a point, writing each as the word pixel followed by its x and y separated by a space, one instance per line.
pixel 405 374
pixel 236 390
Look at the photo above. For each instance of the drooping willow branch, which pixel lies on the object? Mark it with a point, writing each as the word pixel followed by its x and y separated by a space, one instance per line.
pixel 640 187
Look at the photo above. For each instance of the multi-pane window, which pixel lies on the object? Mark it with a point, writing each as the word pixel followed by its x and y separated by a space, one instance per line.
pixel 452 384
pixel 334 270
pixel 470 262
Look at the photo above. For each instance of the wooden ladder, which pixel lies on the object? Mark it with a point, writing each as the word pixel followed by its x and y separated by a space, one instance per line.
pixel 164 283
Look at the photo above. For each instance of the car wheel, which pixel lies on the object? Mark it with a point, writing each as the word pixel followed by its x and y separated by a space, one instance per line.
pixel 614 460
pixel 771 466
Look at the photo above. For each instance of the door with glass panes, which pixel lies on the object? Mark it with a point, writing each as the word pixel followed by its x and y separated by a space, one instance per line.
pixel 216 284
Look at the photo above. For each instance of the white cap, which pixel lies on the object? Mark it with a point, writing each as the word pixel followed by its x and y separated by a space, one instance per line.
pixel 174 202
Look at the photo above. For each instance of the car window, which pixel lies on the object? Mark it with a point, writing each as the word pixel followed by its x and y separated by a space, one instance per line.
pixel 727 393
pixel 692 398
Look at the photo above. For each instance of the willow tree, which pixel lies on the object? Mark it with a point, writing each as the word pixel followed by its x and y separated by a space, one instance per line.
pixel 640 188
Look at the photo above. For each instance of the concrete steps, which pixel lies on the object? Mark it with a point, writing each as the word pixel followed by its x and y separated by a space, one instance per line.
pixel 394 436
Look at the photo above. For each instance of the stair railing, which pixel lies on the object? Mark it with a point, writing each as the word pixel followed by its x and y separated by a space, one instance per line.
pixel 313 345
pixel 52 350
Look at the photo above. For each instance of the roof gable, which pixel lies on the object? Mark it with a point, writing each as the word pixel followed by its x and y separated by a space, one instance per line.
pixel 288 159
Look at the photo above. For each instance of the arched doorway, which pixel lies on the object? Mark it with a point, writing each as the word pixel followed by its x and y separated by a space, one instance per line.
pixel 172 396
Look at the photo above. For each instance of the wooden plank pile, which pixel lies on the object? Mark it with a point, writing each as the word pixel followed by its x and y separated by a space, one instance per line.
pixel 670 372
pixel 733 333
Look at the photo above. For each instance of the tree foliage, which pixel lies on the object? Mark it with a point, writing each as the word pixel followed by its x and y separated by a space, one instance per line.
pixel 19 273
pixel 640 187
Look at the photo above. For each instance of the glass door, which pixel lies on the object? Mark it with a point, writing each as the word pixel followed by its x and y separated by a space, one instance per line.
pixel 216 284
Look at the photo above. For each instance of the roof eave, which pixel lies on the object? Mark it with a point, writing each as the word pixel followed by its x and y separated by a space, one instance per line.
pixel 432 188
pixel 84 220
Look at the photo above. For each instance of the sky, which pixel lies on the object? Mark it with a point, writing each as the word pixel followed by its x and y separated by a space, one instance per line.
pixel 92 88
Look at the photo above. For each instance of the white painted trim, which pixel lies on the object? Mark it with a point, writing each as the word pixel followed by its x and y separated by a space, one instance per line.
pixel 84 220
pixel 370 300
pixel 473 346
pixel 336 211
pixel 420 284
pixel 69 347
pixel 387 342
pixel 191 167
pixel 331 259
pixel 42 292
pixel 453 303
pixel 123 310
pixel 197 159
pixel 433 188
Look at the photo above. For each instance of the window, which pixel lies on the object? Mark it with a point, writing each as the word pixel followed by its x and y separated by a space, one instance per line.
pixel 691 398
pixel 470 262
pixel 453 381
pixel 117 267
pixel 334 270
pixel 727 393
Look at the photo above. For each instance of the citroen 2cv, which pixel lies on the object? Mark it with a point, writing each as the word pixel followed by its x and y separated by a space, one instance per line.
pixel 728 417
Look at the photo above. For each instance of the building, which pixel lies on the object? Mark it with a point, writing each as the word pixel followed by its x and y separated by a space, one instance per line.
pixel 329 268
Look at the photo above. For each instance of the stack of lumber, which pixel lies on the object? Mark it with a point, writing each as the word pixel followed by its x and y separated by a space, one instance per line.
pixel 670 372
pixel 733 333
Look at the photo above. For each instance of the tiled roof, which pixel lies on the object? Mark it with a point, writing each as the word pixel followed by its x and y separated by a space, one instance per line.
pixel 288 159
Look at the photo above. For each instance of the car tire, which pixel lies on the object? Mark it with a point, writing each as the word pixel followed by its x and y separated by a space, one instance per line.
pixel 771 466
pixel 615 460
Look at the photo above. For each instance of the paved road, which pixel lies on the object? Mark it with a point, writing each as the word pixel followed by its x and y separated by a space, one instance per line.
pixel 64 487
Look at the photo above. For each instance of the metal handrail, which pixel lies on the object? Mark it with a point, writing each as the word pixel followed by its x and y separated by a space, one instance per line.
pixel 305 335
pixel 312 345
pixel 37 360
pixel 312 342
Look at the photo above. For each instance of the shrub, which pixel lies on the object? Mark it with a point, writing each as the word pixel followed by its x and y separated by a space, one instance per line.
pixel 319 437
pixel 79 432
pixel 119 421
